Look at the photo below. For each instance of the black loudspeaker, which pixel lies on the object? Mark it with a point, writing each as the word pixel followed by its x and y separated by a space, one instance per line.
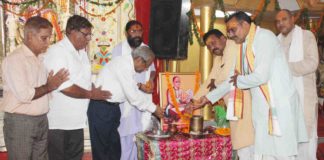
pixel 169 28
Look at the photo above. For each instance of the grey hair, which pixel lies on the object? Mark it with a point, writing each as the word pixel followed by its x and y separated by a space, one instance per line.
pixel 34 24
pixel 144 52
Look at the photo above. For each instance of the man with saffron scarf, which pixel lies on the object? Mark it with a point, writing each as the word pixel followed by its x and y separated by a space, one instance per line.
pixel 261 67
pixel 222 50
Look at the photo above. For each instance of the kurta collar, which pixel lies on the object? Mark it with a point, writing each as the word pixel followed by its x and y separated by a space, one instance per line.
pixel 68 45
pixel 30 54
pixel 127 47
pixel 289 35
pixel 27 52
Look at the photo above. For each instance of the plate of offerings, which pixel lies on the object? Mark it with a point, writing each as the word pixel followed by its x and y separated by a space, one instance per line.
pixel 157 135
pixel 223 131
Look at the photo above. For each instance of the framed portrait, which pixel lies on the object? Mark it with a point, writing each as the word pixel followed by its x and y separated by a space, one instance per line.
pixel 176 91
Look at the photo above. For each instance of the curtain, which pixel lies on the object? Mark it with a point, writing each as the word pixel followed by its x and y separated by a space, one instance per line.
pixel 143 12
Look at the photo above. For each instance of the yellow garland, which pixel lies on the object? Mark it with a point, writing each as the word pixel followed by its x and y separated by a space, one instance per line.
pixel 28 14
pixel 173 96
pixel 98 15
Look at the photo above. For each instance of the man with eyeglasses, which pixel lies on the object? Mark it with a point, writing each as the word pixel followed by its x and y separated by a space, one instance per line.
pixel 69 103
pixel 131 116
pixel 118 77
pixel 261 68
pixel 222 50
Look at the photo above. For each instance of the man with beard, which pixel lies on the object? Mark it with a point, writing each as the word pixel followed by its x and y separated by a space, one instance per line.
pixel 133 120
pixel 302 54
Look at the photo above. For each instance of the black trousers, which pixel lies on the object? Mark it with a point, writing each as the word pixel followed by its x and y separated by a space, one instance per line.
pixel 104 119
pixel 65 144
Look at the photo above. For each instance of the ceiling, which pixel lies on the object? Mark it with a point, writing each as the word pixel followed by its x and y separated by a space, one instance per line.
pixel 315 7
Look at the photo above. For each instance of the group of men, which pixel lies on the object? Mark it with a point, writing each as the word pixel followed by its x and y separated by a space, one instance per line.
pixel 48 94
pixel 269 85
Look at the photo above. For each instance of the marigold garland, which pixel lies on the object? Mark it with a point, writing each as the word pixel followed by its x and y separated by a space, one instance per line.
pixel 52 17
pixel 197 82
pixel 173 96
pixel 29 13
pixel 258 13
pixel 104 4
pixel 118 3
pixel 17 3
pixel 258 9
pixel 193 24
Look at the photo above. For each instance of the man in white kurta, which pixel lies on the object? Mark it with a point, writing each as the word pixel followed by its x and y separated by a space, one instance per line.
pixel 270 67
pixel 133 120
pixel 302 54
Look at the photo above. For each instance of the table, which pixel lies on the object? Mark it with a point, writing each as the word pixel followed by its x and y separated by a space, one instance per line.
pixel 184 147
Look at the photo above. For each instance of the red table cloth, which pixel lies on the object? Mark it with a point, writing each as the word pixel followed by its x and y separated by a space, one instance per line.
pixel 184 147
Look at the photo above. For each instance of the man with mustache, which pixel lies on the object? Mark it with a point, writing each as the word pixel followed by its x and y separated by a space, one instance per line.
pixel 26 85
pixel 133 120
pixel 69 103
pixel 222 50
pixel 104 116
pixel 302 54
pixel 261 68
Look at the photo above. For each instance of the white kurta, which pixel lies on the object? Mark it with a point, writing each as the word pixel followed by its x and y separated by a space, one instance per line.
pixel 131 116
pixel 66 112
pixel 270 67
pixel 118 78
pixel 305 68
pixel 132 120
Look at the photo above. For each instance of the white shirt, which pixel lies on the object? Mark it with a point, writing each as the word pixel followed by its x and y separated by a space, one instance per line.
pixel 66 112
pixel 118 77
pixel 130 115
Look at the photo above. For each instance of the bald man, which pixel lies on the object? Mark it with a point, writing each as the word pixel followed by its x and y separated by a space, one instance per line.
pixel 301 51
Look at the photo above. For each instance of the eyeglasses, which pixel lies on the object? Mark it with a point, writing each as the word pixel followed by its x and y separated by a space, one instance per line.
pixel 136 31
pixel 86 34
pixel 232 30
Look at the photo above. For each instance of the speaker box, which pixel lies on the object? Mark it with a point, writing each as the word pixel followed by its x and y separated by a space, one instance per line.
pixel 169 28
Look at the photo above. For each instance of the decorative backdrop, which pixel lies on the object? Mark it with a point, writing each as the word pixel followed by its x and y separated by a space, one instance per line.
pixel 108 17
